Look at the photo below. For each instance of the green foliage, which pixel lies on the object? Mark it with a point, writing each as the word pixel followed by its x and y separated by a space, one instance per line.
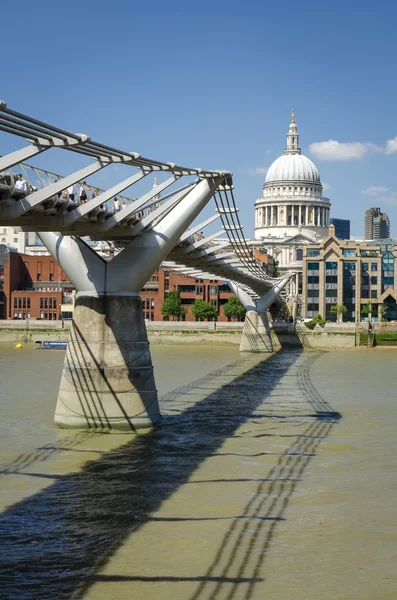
pixel 233 309
pixel 202 310
pixel 172 306
pixel 276 272
pixel 389 339
pixel 366 309
pixel 339 309
pixel 315 321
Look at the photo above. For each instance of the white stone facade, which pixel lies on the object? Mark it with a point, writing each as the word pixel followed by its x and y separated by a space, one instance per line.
pixel 292 202
pixel 13 237
pixel 292 212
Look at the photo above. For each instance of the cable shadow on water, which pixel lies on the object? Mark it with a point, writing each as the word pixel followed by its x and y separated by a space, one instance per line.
pixel 56 542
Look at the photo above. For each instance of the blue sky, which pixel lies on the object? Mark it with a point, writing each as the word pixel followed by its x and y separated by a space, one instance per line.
pixel 212 84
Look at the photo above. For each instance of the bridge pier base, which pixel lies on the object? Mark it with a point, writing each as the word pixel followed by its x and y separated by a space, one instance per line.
pixel 257 335
pixel 107 380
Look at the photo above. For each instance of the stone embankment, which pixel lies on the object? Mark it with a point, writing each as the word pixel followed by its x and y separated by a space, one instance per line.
pixel 328 336
pixel 159 332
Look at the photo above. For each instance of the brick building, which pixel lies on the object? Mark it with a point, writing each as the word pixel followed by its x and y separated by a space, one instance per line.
pixel 156 289
pixel 36 287
pixel 32 286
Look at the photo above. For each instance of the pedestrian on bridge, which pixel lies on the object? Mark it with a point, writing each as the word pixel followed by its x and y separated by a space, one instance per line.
pixel 21 184
pixel 71 192
pixel 83 193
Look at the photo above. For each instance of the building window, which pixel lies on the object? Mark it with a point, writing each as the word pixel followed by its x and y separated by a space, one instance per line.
pixel 313 279
pixel 313 293
pixel 23 302
pixel 331 266
pixel 312 252
pixel 15 303
pixel 349 266
pixel 19 302
pixel 374 280
pixel 312 307
pixel 189 289
pixel 54 304
pixel 348 252
pixel 374 267
pixel 28 303
pixel 331 279
pixel 51 276
pixel 46 303
pixel 364 266
pixel 313 266
pixel 38 276
pixel 41 303
pixel 299 254
pixel 213 290
pixel 49 302
pixel 374 294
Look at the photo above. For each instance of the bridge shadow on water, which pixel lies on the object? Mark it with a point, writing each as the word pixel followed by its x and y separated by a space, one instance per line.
pixel 56 543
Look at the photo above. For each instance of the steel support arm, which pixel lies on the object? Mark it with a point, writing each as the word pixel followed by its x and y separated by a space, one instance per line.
pixel 264 303
pixel 130 269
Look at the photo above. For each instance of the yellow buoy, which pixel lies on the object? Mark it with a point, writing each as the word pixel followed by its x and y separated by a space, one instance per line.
pixel 19 346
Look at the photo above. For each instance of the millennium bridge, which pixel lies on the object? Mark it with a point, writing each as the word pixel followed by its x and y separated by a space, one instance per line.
pixel 108 379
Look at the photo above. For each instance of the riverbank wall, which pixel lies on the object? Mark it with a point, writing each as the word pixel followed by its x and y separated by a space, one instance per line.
pixel 328 336
pixel 159 332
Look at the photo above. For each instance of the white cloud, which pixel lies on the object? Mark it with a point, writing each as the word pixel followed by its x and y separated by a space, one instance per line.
pixel 391 146
pixel 375 190
pixel 334 150
pixel 258 171
pixel 389 199
pixel 384 195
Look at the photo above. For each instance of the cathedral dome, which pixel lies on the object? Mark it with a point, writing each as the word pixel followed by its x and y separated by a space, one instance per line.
pixel 293 167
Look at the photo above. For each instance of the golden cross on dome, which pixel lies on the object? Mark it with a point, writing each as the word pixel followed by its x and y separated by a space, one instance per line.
pixel 293 116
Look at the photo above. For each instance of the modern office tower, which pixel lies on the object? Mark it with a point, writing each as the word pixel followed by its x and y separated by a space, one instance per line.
pixel 342 228
pixel 377 225
pixel 370 215
pixel 381 227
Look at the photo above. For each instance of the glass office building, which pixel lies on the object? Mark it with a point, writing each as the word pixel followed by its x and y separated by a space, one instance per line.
pixel 342 228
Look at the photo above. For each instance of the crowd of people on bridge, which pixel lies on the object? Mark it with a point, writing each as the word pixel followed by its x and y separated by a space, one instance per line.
pixel 69 193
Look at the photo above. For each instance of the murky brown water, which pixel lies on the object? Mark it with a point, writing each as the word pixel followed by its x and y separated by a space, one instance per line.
pixel 268 479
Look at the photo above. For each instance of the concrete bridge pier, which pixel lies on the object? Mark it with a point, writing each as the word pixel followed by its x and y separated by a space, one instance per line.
pixel 257 334
pixel 107 379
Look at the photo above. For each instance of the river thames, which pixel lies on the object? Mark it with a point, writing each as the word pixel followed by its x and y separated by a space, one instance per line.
pixel 269 478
